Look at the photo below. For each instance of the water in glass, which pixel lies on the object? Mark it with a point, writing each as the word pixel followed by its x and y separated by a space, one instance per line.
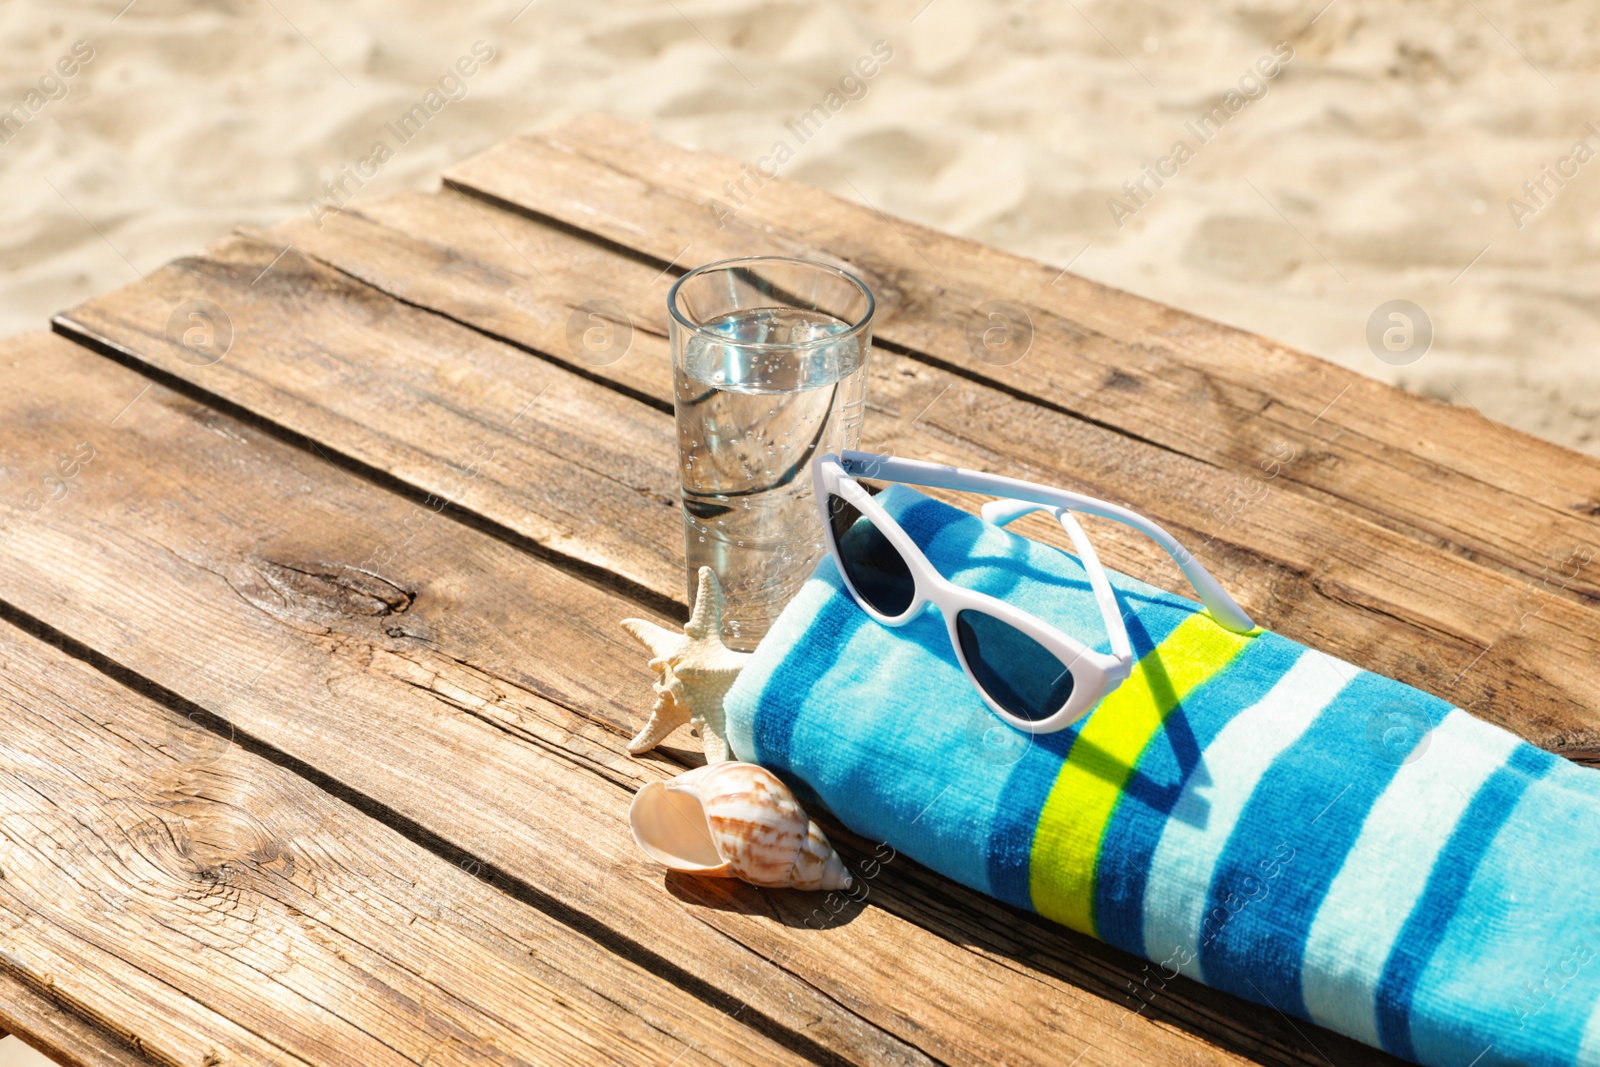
pixel 750 420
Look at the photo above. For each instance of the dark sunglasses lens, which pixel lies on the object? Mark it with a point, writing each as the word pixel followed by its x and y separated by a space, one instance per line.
pixel 873 565
pixel 1019 673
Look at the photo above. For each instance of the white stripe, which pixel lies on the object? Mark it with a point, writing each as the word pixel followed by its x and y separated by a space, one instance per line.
pixel 1387 868
pixel 1215 795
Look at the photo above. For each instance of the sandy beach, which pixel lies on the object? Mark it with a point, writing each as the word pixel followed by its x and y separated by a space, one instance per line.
pixel 1425 152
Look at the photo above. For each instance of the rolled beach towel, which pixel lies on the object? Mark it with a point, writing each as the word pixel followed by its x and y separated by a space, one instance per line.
pixel 1265 818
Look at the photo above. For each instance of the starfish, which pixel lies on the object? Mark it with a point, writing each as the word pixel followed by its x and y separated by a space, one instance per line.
pixel 696 670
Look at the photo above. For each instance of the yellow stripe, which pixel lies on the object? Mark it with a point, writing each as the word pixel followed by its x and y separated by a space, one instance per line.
pixel 1066 841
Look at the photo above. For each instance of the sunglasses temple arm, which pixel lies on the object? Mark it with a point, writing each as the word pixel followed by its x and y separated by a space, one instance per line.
pixel 1121 647
pixel 914 472
pixel 1222 607
pixel 1001 512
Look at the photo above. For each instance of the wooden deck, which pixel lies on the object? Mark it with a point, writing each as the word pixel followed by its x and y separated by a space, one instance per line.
pixel 314 694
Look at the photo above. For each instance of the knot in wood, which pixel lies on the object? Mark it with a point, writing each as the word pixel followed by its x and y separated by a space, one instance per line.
pixel 317 590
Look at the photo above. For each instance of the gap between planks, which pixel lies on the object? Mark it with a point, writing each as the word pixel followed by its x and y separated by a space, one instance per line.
pixel 1042 1000
pixel 1551 724
pixel 646 597
pixel 330 904
pixel 480 867
pixel 1420 613
pixel 656 196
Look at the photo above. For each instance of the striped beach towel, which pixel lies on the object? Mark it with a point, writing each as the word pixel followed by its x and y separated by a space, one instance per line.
pixel 1260 816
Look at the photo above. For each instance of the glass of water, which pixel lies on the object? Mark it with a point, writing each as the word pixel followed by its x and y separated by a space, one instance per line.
pixel 769 359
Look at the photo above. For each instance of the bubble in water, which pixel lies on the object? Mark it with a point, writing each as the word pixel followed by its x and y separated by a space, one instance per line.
pixel 752 415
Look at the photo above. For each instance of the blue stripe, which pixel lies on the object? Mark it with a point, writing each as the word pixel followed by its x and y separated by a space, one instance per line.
pixel 1293 837
pixel 1010 841
pixel 1387 870
pixel 1174 756
pixel 783 697
pixel 796 730
pixel 1010 773
pixel 1447 886
pixel 788 688
pixel 1519 966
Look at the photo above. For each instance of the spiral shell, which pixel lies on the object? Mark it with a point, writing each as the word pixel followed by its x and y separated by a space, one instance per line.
pixel 735 820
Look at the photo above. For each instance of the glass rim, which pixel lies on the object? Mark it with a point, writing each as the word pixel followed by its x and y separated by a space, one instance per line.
pixel 855 329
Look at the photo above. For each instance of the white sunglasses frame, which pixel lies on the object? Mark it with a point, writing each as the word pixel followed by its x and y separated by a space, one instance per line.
pixel 1094 674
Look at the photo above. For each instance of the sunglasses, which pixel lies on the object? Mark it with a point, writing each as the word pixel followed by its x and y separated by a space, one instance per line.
pixel 1031 674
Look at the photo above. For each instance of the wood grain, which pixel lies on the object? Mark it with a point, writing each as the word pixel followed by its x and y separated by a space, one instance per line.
pixel 1224 396
pixel 453 669
pixel 466 692
pixel 65 1038
pixel 164 884
pixel 488 268
pixel 444 687
pixel 1507 648
pixel 570 465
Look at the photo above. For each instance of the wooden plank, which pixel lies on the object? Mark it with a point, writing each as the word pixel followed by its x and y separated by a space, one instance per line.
pixel 207 906
pixel 1232 399
pixel 47 1028
pixel 448 689
pixel 476 694
pixel 1509 650
pixel 570 465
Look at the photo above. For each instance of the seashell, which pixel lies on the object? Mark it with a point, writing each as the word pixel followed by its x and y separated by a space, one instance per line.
pixel 735 820
pixel 696 670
